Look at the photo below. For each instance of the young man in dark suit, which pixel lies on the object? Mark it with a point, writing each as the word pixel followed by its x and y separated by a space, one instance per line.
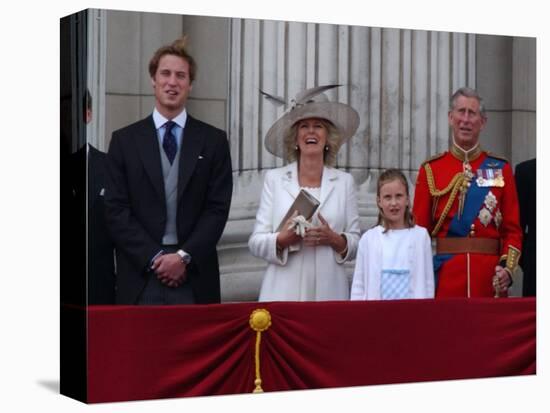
pixel 101 263
pixel 87 167
pixel 168 194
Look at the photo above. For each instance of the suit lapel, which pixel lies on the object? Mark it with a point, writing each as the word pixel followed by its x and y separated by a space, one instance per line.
pixel 148 147
pixel 94 173
pixel 290 179
pixel 191 147
pixel 328 183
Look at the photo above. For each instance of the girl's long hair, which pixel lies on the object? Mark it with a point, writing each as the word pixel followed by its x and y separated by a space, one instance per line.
pixel 387 176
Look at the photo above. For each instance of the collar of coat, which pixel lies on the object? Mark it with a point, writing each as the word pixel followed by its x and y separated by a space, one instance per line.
pixel 329 180
pixel 466 155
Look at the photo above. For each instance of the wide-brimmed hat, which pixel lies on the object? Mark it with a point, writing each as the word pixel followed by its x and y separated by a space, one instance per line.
pixel 311 103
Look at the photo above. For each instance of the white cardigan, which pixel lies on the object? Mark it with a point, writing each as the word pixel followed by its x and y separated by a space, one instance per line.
pixel 312 273
pixel 366 278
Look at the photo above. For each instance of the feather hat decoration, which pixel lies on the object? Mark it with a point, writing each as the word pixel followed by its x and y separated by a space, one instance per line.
pixel 310 103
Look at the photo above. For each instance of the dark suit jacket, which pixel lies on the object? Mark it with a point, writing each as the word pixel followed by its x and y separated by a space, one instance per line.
pixel 526 175
pixel 101 268
pixel 73 226
pixel 136 208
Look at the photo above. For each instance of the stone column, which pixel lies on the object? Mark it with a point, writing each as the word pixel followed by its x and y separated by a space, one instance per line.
pixel 524 100
pixel 97 47
pixel 506 68
pixel 131 40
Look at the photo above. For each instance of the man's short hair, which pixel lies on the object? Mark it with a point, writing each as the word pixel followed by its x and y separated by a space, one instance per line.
pixel 177 48
pixel 469 93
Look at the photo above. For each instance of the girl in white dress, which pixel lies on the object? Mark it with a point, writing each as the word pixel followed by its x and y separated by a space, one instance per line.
pixel 394 259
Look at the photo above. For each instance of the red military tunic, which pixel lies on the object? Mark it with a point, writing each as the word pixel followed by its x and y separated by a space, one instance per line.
pixel 468 274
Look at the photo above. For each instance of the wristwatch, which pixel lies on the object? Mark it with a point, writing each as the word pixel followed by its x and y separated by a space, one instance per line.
pixel 185 257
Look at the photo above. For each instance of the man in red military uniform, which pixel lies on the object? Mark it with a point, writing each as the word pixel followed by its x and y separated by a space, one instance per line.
pixel 467 200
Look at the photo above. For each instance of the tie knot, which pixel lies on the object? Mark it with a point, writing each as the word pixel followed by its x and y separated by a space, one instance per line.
pixel 169 125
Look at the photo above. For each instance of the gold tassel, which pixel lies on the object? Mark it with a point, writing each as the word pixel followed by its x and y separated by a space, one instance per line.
pixel 467 177
pixel 453 187
pixel 260 320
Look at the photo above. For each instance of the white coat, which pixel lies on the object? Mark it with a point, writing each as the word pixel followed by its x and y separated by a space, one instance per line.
pixel 368 266
pixel 311 273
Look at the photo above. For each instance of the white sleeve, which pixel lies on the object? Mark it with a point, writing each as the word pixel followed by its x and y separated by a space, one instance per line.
pixel 358 285
pixel 263 241
pixel 351 231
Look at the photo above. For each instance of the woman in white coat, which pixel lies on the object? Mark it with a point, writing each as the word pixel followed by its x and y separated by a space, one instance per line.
pixel 308 267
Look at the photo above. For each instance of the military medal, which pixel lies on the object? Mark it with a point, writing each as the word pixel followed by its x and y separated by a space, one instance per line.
pixel 480 178
pixel 499 180
pixel 490 177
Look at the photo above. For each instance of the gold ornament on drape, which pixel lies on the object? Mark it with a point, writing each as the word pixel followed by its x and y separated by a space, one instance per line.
pixel 260 320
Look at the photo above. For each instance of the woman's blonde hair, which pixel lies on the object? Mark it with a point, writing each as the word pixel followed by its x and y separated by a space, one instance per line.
pixel 387 176
pixel 331 152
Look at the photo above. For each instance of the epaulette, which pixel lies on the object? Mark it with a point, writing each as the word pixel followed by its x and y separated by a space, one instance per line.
pixel 501 158
pixel 433 158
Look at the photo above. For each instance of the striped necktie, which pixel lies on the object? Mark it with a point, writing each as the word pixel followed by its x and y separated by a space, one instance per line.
pixel 169 141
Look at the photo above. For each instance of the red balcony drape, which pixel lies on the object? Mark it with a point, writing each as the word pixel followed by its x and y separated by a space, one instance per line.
pixel 163 352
